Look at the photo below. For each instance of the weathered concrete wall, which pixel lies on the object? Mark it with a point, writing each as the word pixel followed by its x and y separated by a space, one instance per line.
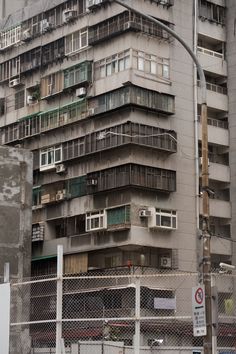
pixel 15 210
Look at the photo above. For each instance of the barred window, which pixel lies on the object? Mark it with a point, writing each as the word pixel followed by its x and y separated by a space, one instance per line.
pixel 19 99
pixel 51 84
pixel 10 37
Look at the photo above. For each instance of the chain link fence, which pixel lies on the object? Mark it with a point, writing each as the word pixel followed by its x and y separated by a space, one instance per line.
pixel 136 311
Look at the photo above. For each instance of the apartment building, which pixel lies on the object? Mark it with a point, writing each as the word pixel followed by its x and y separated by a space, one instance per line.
pixel 109 105
pixel 105 100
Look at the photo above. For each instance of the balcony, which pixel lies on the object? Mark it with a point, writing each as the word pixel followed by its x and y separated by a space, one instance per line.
pixel 133 95
pixel 132 175
pixel 126 21
pixel 219 208
pixel 221 245
pixel 216 96
pixel 78 75
pixel 212 61
pixel 120 135
pixel 217 131
pixel 219 172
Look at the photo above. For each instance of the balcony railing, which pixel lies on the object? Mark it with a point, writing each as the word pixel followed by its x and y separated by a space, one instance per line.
pixel 215 122
pixel 126 21
pixel 120 135
pixel 126 96
pixel 215 88
pixel 212 53
pixel 132 175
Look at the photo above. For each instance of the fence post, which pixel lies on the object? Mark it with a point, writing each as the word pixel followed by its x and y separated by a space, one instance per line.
pixel 137 316
pixel 59 299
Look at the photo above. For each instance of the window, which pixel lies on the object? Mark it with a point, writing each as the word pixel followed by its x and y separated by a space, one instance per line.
pixel 118 216
pixel 78 74
pixel 76 41
pixel 19 99
pixel 96 220
pixel 166 218
pixel 151 64
pixel 211 11
pixel 113 64
pixel 36 198
pixel 50 156
pixel 10 37
pixel 51 84
pixel 11 133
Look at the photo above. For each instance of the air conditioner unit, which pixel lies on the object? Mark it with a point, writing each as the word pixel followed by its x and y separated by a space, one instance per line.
pixel 92 182
pixel 144 213
pixel 60 195
pixel 81 92
pixel 30 100
pixel 61 168
pixel 165 262
pixel 46 26
pixel 69 15
pixel 26 35
pixel 14 82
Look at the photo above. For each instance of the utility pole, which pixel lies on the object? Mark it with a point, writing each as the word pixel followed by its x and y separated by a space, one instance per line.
pixel 206 237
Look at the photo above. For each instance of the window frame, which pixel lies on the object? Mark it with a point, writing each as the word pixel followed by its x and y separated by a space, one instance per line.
pixel 166 213
pixel 49 154
pixel 92 216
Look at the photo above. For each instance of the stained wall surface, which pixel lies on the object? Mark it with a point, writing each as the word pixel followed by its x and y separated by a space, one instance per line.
pixel 15 210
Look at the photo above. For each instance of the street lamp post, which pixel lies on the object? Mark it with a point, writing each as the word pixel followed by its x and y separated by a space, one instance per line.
pixel 205 176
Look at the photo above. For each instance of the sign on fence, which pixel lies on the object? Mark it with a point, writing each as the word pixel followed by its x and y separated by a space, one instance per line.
pixel 198 311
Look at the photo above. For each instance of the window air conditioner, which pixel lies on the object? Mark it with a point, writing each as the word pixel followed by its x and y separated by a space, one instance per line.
pixel 92 182
pixel 61 168
pixel 30 100
pixel 165 262
pixel 60 195
pixel 26 35
pixel 81 92
pixel 46 26
pixel 69 15
pixel 144 213
pixel 14 82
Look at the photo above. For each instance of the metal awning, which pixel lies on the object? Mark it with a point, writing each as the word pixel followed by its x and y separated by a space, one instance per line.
pixel 61 107
pixel 29 116
pixel 43 257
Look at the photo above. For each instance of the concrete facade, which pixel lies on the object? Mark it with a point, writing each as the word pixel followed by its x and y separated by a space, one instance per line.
pixel 76 120
pixel 15 210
